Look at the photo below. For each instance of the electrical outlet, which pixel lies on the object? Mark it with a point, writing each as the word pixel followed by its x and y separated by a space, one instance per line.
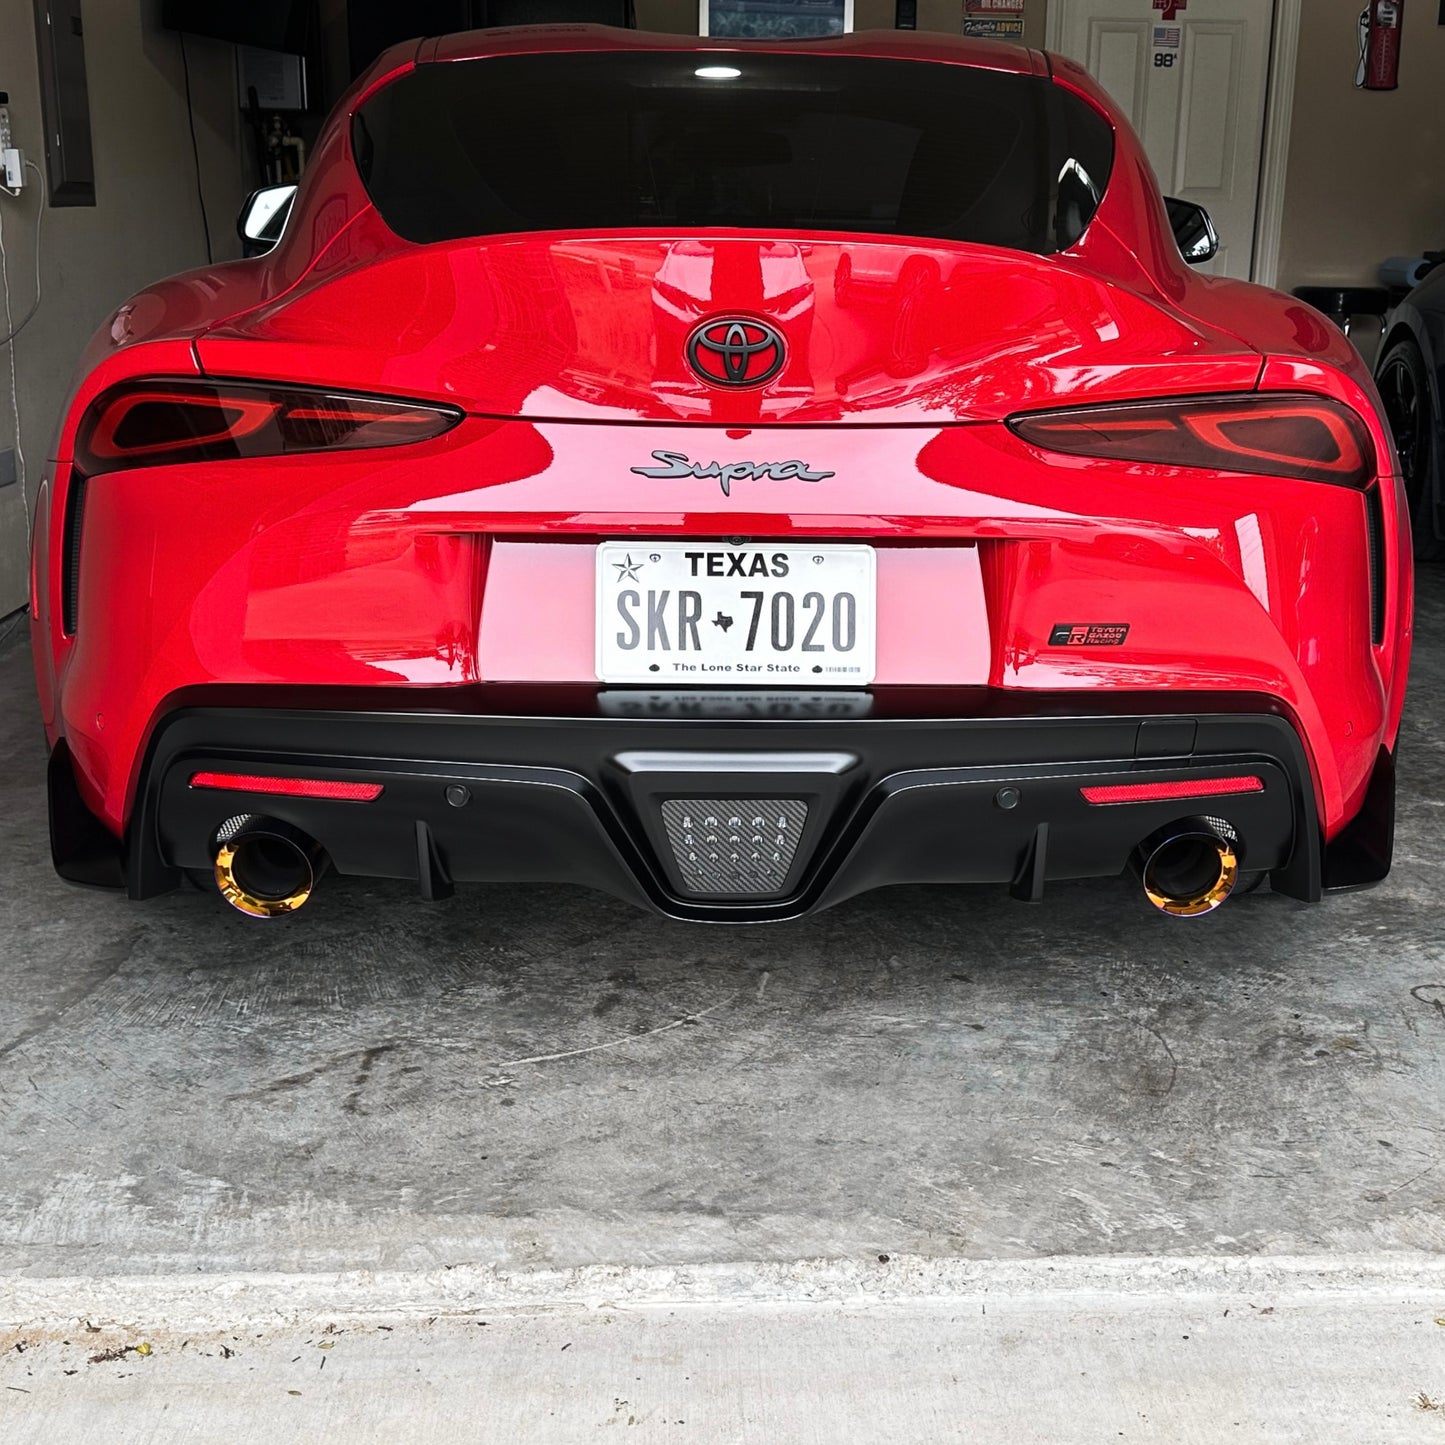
pixel 12 162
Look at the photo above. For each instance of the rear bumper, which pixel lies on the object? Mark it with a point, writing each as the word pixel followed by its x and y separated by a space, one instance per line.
pixel 578 796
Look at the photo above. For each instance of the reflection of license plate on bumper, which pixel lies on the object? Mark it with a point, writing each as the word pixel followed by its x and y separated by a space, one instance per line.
pixel 704 612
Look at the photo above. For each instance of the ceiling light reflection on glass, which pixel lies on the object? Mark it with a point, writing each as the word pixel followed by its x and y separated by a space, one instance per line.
pixel 717 72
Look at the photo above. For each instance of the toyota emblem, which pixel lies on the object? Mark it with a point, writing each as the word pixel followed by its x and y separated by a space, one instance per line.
pixel 736 351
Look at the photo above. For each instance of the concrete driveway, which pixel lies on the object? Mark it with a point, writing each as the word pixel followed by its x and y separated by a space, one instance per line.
pixel 525 1084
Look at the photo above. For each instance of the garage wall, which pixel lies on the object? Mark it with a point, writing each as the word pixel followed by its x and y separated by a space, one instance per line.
pixel 1366 168
pixel 146 222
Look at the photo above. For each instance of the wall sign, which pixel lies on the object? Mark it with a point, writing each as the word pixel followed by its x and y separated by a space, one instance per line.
pixel 998 29
pixel 773 19
pixel 1165 46
pixel 996 19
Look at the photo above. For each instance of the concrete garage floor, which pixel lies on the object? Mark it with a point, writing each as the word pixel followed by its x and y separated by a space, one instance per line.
pixel 476 1104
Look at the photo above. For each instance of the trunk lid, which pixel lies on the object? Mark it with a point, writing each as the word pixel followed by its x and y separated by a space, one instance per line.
pixel 546 327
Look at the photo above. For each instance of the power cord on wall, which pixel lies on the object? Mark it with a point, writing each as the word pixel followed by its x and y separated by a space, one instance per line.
pixel 12 330
pixel 196 151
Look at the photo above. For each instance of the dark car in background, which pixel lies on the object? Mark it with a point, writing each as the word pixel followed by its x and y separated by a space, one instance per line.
pixel 1411 375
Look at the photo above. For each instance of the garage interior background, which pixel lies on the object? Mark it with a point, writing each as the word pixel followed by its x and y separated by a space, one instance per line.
pixel 1363 182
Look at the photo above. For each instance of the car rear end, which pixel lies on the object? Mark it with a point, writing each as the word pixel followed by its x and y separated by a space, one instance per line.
pixel 764 475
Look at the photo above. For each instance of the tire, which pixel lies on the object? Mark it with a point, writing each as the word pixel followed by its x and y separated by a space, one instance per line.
pixel 1405 389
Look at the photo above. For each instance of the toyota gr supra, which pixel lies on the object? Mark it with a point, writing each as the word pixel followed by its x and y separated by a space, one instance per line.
pixel 732 476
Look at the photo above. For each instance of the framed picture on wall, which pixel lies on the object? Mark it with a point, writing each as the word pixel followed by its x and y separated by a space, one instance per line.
pixel 773 19
pixel 995 19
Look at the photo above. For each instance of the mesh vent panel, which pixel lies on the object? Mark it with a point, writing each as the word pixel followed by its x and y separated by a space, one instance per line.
pixel 734 845
pixel 70 557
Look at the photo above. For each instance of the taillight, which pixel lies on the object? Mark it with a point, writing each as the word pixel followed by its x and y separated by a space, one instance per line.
pixel 1279 435
pixel 149 423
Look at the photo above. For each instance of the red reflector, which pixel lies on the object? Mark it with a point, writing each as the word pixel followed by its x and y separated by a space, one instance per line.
pixel 1160 792
pixel 289 787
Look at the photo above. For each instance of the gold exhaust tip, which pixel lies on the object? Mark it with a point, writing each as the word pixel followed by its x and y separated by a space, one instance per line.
pixel 252 904
pixel 1192 906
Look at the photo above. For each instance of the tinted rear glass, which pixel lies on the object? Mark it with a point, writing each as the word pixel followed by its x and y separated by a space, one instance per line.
pixel 625 141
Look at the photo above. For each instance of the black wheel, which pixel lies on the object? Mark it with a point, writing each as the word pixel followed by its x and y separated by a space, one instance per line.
pixel 1405 389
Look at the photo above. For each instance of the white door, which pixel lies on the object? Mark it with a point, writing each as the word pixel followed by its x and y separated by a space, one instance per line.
pixel 1194 88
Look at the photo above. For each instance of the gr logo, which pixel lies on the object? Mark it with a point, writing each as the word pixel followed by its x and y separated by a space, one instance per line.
pixel 1088 634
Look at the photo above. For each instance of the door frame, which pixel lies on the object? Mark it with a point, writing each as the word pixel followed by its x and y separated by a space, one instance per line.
pixel 1274 143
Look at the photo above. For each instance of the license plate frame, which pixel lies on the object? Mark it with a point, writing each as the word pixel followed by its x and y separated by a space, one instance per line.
pixel 722 634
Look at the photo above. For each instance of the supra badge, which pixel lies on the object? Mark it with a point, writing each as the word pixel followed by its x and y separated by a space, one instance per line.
pixel 678 464
pixel 1088 634
pixel 736 351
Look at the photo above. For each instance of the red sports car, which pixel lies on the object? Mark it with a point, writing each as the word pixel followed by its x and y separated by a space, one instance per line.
pixel 733 476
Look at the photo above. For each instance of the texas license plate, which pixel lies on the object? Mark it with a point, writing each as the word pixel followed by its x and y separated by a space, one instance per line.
pixel 689 613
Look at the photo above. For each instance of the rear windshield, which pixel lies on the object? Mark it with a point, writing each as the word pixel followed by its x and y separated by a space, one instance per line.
pixel 585 142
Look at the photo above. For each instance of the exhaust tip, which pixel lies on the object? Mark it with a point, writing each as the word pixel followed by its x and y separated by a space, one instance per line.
pixel 1189 868
pixel 267 869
